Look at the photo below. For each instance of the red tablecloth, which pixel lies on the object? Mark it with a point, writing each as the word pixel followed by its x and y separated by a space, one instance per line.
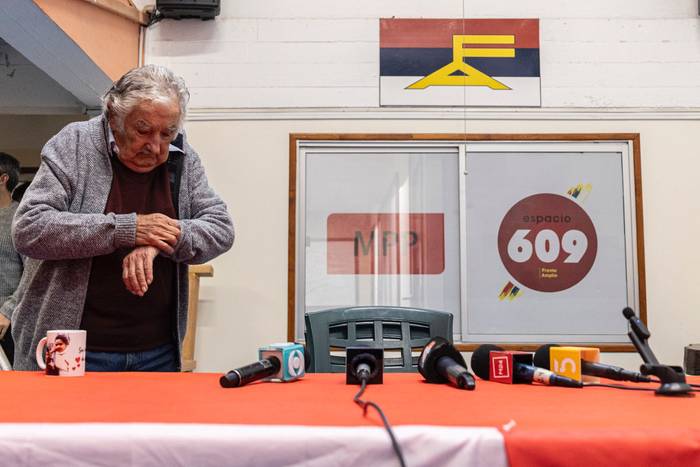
pixel 541 425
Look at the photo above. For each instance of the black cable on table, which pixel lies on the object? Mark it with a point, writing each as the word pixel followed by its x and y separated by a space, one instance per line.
pixel 616 386
pixel 364 405
pixel 628 388
pixel 689 384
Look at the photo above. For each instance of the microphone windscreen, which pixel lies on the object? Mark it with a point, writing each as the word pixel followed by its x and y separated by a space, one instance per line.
pixel 628 312
pixel 481 360
pixel 541 358
pixel 433 351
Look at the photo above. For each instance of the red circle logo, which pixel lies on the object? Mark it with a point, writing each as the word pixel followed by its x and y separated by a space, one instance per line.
pixel 547 242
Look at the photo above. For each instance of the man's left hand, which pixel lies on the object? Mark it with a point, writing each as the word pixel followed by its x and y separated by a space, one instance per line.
pixel 137 269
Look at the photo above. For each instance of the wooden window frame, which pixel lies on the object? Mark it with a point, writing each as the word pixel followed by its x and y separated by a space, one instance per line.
pixel 295 138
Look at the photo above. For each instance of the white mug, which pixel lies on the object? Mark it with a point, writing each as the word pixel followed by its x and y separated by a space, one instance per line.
pixel 65 352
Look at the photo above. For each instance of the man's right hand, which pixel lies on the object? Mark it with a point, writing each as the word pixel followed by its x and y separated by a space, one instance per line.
pixel 157 230
pixel 137 269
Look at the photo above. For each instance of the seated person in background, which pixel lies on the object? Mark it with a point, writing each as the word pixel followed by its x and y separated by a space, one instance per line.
pixel 118 208
pixel 11 264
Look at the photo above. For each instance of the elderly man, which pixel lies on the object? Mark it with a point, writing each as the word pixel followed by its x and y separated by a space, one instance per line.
pixel 10 261
pixel 120 205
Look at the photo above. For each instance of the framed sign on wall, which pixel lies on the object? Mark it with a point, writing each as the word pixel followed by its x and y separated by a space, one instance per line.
pixel 525 239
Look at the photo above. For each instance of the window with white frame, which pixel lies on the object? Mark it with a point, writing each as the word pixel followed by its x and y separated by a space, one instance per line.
pixel 523 241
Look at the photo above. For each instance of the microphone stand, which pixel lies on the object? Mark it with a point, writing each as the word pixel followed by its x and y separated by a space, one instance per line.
pixel 672 378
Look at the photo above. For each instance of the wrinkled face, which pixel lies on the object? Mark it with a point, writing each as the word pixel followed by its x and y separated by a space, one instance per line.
pixel 148 131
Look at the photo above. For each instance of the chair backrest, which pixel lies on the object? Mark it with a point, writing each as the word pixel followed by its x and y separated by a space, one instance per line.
pixel 399 331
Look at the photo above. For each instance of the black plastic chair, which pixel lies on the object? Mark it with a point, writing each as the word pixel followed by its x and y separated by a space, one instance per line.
pixel 401 332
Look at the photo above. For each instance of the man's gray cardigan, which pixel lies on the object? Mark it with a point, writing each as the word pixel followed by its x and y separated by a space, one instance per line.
pixel 60 225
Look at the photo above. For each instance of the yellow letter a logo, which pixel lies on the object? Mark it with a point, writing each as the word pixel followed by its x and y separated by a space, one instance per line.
pixel 470 76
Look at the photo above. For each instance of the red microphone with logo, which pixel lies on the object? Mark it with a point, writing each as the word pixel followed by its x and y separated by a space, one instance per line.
pixel 493 363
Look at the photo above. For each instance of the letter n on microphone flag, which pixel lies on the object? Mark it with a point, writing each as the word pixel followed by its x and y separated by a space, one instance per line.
pixel 459 62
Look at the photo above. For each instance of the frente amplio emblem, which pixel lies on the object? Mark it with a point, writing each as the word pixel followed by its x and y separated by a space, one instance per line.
pixel 459 62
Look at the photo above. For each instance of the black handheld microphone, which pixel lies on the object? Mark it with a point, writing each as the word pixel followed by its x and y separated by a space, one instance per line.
pixel 278 362
pixel 481 362
pixel 593 368
pixel 440 362
pixel 249 373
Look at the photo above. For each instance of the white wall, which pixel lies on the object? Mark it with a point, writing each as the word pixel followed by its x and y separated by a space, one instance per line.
pixel 284 60
pixel 314 53
pixel 244 305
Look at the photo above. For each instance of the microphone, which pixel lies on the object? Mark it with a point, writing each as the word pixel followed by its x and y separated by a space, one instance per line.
pixel 249 373
pixel 543 359
pixel 672 377
pixel 440 362
pixel 639 335
pixel 278 362
pixel 638 326
pixel 488 360
pixel 364 364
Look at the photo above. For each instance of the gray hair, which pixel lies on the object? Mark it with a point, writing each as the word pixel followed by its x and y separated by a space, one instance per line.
pixel 153 83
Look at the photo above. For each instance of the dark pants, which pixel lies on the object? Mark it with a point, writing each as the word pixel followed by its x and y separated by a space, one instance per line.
pixel 8 346
pixel 163 358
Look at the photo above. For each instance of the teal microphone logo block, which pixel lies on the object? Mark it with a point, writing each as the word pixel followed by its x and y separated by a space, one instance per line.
pixel 291 358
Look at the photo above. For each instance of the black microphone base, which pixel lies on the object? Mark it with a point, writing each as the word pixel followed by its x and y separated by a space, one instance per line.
pixel 672 379
pixel 675 389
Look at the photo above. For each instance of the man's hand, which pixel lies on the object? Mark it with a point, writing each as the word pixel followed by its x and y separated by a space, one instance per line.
pixel 157 230
pixel 4 325
pixel 137 269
